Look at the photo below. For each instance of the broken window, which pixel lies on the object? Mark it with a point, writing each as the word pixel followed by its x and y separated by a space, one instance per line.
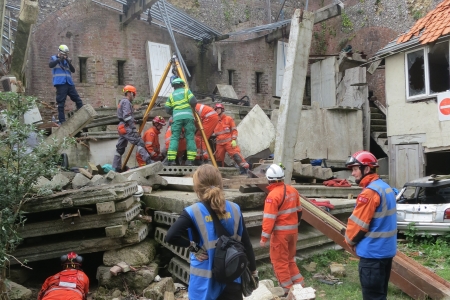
pixel 230 77
pixel 258 82
pixel 416 73
pixel 120 72
pixel 83 69
pixel 438 68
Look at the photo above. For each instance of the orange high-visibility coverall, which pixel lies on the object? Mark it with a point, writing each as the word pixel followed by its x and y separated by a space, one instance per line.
pixel 69 284
pixel 151 141
pixel 209 118
pixel 225 133
pixel 182 146
pixel 280 223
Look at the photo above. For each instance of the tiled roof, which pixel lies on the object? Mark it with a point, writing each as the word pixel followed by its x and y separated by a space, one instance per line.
pixel 431 27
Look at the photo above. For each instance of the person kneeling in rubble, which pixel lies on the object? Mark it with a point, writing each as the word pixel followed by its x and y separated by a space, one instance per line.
pixel 197 220
pixel 69 284
pixel 151 152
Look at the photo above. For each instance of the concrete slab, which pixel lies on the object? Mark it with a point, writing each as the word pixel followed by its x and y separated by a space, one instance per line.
pixel 321 191
pixel 180 269
pixel 185 170
pixel 59 181
pixel 74 224
pixel 152 180
pixel 73 125
pixel 145 171
pixel 80 181
pixel 255 132
pixel 180 183
pixel 86 196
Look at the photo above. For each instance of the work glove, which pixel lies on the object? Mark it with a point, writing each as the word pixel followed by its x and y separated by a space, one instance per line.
pixel 233 144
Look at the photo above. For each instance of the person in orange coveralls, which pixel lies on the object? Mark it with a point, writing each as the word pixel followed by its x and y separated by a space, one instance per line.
pixel 226 135
pixel 372 227
pixel 209 119
pixel 182 145
pixel 69 284
pixel 152 151
pixel 282 215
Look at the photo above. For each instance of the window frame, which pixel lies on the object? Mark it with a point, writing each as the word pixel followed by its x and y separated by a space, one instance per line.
pixel 427 94
pixel 83 73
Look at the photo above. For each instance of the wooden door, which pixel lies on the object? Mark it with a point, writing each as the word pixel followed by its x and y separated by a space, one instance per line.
pixel 158 56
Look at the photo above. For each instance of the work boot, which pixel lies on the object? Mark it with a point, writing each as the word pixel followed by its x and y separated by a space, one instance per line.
pixel 188 163
pixel 198 162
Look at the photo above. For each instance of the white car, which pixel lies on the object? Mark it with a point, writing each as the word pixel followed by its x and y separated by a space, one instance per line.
pixel 426 203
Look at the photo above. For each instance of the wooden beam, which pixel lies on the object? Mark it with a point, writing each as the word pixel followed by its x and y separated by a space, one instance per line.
pixel 135 10
pixel 321 15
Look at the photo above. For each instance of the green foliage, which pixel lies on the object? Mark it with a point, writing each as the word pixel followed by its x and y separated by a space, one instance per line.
pixel 321 40
pixel 20 167
pixel 247 13
pixel 417 14
pixel 347 25
pixel 227 15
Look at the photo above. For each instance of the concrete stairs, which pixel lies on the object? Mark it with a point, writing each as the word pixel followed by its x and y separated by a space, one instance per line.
pixel 378 128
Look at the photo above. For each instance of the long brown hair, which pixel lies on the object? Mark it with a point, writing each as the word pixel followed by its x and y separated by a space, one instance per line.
pixel 209 188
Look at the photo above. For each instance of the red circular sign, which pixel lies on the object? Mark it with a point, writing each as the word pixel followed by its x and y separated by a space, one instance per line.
pixel 444 106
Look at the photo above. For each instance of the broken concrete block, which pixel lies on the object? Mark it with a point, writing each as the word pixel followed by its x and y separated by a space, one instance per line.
pixel 136 255
pixel 156 290
pixel 145 171
pixel 115 270
pixel 95 178
pixel 151 180
pixel 261 293
pixel 19 275
pixel 92 168
pixel 16 291
pixel 125 204
pixel 147 189
pixel 106 208
pixel 69 175
pixel 169 296
pixel 80 181
pixel 116 231
pixel 277 291
pixel 73 125
pixel 135 281
pixel 267 282
pixel 297 292
pixel 42 183
pixel 124 266
pixel 256 132
pixel 59 181
pixel 337 270
pixel 85 172
pixel 137 234
pixel 180 183
pixel 110 178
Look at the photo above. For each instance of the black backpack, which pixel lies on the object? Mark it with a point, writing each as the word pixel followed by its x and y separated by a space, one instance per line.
pixel 230 260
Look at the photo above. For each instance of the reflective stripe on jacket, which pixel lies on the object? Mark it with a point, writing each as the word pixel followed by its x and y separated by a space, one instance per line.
pixel 61 72
pixel 225 130
pixel 178 101
pixel 204 111
pixel 380 224
pixel 53 286
pixel 201 284
pixel 280 219
pixel 125 112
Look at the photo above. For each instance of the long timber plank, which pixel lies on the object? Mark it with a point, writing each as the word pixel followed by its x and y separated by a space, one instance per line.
pixel 87 196
pixel 74 224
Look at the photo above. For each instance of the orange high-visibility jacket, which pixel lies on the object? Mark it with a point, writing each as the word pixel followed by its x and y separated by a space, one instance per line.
pixel 181 141
pixel 69 284
pixel 204 111
pixel 225 130
pixel 280 219
pixel 151 141
pixel 366 204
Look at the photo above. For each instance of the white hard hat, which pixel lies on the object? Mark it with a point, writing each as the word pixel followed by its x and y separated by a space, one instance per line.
pixel 275 172
pixel 139 192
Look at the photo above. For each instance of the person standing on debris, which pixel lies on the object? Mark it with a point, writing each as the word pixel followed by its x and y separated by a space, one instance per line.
pixel 209 119
pixel 180 105
pixel 181 141
pixel 282 215
pixel 226 135
pixel 198 222
pixel 127 128
pixel 152 152
pixel 71 283
pixel 372 227
pixel 62 68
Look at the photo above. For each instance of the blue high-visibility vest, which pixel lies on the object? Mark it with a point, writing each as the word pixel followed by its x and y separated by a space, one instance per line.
pixel 61 72
pixel 381 239
pixel 202 285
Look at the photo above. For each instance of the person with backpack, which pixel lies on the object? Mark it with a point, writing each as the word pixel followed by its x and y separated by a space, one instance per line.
pixel 201 227
pixel 282 215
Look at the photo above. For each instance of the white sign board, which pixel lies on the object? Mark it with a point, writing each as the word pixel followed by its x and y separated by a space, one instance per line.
pixel 444 106
pixel 158 57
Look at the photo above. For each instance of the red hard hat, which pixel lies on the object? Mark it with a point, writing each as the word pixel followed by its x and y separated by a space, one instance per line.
pixel 362 158
pixel 159 120
pixel 71 258
pixel 219 105
pixel 129 88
